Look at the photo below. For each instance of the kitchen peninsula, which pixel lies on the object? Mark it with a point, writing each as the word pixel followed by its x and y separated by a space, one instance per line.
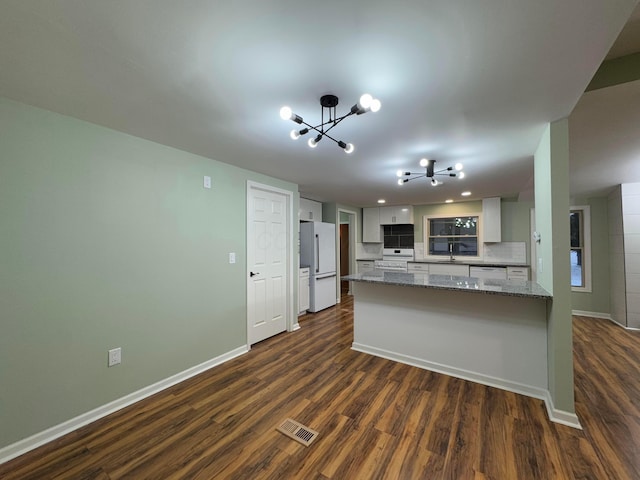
pixel 492 332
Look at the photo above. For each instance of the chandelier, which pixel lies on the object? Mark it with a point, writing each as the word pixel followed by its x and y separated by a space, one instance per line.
pixel 430 172
pixel 329 102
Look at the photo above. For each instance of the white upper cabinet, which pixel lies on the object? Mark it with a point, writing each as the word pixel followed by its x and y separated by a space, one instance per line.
pixel 371 228
pixel 402 214
pixel 491 220
pixel 310 210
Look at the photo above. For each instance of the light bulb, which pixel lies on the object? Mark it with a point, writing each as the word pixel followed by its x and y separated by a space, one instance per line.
pixel 458 166
pixel 294 134
pixel 312 143
pixel 399 173
pixel 434 182
pixel 375 105
pixel 349 148
pixel 285 113
pixel 461 175
pixel 424 162
pixel 365 101
pixel 400 181
pixel 465 194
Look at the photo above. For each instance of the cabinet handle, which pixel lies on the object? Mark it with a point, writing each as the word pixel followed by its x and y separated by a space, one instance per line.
pixel 252 274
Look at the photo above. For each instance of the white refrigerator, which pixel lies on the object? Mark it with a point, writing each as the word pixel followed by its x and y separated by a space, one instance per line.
pixel 318 251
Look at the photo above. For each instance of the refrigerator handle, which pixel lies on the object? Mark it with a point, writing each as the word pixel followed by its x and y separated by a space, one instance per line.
pixel 317 253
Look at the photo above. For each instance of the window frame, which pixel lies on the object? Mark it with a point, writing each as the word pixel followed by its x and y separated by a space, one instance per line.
pixel 425 235
pixel 586 247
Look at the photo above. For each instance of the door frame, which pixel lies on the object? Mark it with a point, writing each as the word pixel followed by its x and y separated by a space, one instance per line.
pixel 252 185
pixel 353 230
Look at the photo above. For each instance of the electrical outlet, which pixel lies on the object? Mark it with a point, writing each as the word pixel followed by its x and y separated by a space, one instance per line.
pixel 115 356
pixel 207 181
pixel 232 257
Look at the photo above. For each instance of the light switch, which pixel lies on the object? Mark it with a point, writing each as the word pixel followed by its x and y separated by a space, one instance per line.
pixel 232 257
pixel 207 181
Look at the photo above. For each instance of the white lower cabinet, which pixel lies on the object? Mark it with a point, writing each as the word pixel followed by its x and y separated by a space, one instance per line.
pixel 448 269
pixel 418 267
pixel 303 290
pixel 495 273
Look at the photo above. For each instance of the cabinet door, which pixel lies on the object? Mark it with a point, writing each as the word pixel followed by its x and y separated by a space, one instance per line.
pixel 491 219
pixel 396 215
pixel 404 214
pixel 371 229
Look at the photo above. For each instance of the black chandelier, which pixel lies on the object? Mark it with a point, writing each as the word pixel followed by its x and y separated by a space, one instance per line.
pixel 366 104
pixel 430 172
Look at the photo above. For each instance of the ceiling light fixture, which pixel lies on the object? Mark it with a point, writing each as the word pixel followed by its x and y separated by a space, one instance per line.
pixel 430 172
pixel 366 104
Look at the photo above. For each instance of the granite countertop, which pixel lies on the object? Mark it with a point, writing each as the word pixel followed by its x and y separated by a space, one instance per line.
pixel 474 263
pixel 514 288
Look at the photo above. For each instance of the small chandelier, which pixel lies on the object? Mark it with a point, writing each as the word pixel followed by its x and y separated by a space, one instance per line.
pixel 455 171
pixel 366 104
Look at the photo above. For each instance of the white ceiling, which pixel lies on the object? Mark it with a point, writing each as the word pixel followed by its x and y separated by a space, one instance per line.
pixel 460 81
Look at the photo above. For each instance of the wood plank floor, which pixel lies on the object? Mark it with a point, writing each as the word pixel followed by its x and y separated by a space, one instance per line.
pixel 377 419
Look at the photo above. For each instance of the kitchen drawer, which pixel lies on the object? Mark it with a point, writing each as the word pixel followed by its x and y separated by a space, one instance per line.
pixel 518 273
pixel 418 267
pixel 304 272
pixel 494 273
pixel 448 269
pixel 365 265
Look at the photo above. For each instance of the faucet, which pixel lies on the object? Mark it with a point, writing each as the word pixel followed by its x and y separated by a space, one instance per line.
pixel 451 259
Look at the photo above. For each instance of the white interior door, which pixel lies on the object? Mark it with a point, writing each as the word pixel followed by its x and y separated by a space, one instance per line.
pixel 267 254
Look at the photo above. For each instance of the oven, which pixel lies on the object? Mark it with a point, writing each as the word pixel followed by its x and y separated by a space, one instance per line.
pixel 394 259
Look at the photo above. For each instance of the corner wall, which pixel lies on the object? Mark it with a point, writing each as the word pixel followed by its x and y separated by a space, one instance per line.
pixel 551 163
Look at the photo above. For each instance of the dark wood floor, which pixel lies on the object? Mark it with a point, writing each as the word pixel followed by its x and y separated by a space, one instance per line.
pixel 377 419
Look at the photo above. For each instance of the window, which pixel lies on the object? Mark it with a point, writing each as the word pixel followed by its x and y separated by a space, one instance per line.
pixel 457 236
pixel 580 254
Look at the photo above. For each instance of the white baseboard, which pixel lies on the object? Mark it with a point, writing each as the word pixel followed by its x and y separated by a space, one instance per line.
pixel 558 416
pixel 23 446
pixel 561 416
pixel 582 313
pixel 604 316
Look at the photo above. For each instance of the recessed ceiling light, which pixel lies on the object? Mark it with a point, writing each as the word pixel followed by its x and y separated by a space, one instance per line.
pixel 448 201
pixel 382 200
pixel 465 194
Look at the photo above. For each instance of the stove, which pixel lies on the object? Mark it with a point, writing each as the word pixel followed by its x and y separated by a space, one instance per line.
pixel 394 259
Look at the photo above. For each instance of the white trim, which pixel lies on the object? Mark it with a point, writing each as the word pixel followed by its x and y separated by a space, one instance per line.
pixel 583 313
pixel 292 317
pixel 631 329
pixel 555 415
pixel 425 235
pixel 23 446
pixel 586 248
pixel 561 416
pixel 353 265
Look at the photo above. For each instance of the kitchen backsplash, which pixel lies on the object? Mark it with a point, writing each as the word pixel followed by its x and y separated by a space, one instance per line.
pixel 506 252
pixel 368 250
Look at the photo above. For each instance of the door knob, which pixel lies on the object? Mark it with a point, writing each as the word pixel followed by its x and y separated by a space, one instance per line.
pixel 252 274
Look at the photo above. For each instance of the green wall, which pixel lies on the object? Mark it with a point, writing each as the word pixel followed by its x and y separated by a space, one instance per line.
pixel 551 167
pixel 109 240
pixel 597 300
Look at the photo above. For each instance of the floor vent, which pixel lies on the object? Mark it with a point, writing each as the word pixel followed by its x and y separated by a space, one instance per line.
pixel 298 432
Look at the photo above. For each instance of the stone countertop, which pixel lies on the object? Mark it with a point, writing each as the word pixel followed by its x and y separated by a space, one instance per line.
pixel 513 288
pixel 473 263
